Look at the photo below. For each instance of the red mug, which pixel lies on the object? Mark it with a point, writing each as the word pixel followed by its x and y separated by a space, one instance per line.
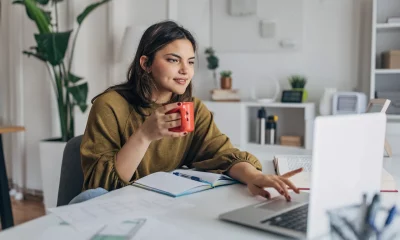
pixel 186 110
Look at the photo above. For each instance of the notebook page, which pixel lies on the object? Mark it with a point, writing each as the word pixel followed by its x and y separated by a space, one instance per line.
pixel 169 183
pixel 287 163
pixel 205 176
pixel 388 183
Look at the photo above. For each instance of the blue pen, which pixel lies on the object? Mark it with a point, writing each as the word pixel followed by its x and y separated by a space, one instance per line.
pixel 390 216
pixel 187 176
pixel 370 216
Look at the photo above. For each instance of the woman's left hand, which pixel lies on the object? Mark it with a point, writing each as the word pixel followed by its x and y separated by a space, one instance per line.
pixel 257 184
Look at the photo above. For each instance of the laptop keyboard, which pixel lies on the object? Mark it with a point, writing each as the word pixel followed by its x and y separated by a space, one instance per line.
pixel 295 219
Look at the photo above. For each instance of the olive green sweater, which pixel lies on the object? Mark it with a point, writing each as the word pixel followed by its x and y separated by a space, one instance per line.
pixel 112 120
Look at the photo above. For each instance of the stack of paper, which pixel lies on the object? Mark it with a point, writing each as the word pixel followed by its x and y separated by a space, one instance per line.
pixel 93 216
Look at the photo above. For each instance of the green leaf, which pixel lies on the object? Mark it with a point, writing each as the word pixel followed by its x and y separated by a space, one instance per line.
pixel 36 55
pixel 73 78
pixel 38 15
pixel 27 12
pixel 42 2
pixel 79 93
pixel 210 51
pixel 47 14
pixel 213 62
pixel 83 107
pixel 88 10
pixel 53 46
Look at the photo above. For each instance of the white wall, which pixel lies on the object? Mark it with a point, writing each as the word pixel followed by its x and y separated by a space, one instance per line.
pixel 286 15
pixel 329 56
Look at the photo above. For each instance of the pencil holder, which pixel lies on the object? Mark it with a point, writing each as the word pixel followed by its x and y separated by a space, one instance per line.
pixel 349 223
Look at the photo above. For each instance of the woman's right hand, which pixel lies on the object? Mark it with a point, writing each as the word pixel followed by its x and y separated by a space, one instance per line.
pixel 157 124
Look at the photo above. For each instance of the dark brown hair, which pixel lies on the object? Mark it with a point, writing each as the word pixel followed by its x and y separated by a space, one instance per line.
pixel 139 86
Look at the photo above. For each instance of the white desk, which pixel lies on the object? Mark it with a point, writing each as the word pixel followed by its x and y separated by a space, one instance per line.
pixel 202 219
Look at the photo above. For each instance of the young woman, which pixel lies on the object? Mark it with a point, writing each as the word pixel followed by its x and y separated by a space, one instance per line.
pixel 127 134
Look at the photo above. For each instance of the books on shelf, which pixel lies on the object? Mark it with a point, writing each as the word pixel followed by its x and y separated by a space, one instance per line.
pixel 225 95
pixel 287 163
pixel 182 182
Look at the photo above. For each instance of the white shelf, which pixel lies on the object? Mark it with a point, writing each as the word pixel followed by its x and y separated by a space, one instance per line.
pixel 388 26
pixel 264 150
pixel 393 116
pixel 269 146
pixel 387 71
pixel 238 121
pixel 279 104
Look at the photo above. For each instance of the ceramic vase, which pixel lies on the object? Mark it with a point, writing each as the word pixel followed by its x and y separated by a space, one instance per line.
pixel 325 104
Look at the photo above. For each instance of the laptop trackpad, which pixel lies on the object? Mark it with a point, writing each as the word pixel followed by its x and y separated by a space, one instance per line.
pixel 278 205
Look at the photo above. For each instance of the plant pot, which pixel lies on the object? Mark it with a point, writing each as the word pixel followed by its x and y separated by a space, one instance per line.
pixel 226 83
pixel 305 93
pixel 51 155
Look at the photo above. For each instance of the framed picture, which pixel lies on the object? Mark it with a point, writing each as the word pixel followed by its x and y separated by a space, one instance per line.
pixel 380 105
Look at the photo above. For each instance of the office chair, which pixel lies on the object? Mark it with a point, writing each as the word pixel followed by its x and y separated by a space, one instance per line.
pixel 71 177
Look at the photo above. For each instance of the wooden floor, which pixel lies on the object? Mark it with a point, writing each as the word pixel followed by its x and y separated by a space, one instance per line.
pixel 26 210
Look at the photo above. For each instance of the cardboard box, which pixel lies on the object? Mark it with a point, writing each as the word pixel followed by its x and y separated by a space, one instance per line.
pixel 294 141
pixel 391 59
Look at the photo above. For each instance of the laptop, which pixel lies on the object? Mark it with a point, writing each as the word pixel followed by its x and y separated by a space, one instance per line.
pixel 347 160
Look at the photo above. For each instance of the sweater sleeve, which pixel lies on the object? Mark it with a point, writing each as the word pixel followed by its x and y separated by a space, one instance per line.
pixel 211 150
pixel 100 144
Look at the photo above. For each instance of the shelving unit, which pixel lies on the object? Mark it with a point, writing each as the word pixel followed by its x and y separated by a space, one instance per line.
pixel 279 105
pixel 393 117
pixel 387 71
pixel 385 37
pixel 387 25
pixel 238 121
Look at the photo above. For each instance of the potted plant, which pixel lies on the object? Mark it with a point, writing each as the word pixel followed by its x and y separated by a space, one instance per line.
pixel 226 79
pixel 52 45
pixel 212 63
pixel 298 83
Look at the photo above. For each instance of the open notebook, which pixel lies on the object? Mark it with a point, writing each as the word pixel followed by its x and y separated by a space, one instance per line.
pixel 287 163
pixel 182 182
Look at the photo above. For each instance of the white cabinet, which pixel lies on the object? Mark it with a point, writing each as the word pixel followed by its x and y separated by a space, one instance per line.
pixel 238 121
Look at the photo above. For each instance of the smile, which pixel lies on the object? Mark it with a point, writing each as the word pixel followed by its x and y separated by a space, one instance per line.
pixel 181 81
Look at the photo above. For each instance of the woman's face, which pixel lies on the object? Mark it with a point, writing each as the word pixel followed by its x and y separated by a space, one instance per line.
pixel 173 68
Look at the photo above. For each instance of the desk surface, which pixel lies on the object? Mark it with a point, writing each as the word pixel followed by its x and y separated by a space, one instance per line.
pixel 200 220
